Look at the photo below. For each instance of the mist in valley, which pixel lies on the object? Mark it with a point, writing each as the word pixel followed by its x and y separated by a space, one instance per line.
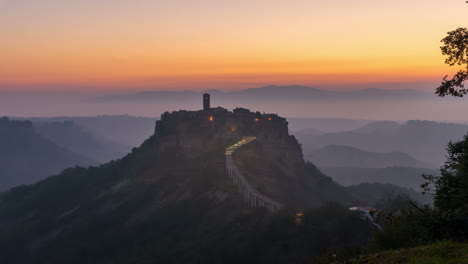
pixel 362 136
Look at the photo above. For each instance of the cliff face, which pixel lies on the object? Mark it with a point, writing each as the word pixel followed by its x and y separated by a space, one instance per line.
pixel 193 133
pixel 275 166
pixel 169 200
pixel 273 163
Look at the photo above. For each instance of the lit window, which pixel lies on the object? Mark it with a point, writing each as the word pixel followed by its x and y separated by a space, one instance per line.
pixel 269 118
pixel 211 118
pixel 256 119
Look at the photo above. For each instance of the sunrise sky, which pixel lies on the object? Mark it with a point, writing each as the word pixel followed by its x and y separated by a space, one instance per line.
pixel 205 44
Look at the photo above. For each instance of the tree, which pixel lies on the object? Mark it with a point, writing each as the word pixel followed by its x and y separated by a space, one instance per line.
pixel 449 219
pixel 456 48
pixel 451 188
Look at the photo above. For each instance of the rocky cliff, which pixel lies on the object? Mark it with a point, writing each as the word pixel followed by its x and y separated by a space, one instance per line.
pixel 169 201
pixel 273 163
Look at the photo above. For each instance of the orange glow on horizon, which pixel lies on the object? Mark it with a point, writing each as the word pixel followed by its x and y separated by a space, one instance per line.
pixel 222 44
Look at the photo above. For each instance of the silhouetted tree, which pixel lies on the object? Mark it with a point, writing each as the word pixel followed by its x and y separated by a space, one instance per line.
pixel 456 48
pixel 449 219
pixel 451 188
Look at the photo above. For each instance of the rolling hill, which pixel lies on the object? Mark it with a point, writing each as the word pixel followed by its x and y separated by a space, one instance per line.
pixel 124 130
pixel 169 201
pixel 399 176
pixel 424 140
pixel 344 156
pixel 72 137
pixel 371 194
pixel 27 157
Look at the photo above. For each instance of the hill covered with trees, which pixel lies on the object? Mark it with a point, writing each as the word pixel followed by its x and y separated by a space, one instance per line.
pixel 26 156
pixel 424 140
pixel 170 201
pixel 73 137
pixel 345 156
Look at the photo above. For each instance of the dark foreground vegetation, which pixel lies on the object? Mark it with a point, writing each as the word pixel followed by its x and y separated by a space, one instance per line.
pixel 446 252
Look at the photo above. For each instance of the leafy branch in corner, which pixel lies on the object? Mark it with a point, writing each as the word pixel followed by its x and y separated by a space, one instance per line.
pixel 456 48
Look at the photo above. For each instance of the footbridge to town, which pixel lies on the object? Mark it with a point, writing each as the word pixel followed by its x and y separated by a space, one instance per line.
pixel 253 197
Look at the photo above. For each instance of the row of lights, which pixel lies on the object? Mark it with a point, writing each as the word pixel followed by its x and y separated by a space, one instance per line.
pixel 257 119
pixel 211 118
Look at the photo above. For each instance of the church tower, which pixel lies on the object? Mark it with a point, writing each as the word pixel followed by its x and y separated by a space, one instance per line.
pixel 206 102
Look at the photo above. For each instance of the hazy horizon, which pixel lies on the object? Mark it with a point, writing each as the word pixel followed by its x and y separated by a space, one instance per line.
pixel 59 55
pixel 357 104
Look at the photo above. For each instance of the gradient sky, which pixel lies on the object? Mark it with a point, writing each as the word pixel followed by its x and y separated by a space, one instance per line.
pixel 204 44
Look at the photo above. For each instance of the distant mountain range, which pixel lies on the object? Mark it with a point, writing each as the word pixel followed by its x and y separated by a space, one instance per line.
pixel 26 156
pixel 71 136
pixel 424 140
pixel 381 152
pixel 381 127
pixel 371 194
pixel 31 151
pixel 267 93
pixel 316 126
pixel 129 131
pixel 344 156
pixel 399 176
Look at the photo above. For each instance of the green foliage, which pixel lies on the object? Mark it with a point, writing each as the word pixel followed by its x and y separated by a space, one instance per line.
pixel 445 252
pixel 450 190
pixel 194 231
pixel 456 48
pixel 395 202
pixel 386 197
pixel 404 229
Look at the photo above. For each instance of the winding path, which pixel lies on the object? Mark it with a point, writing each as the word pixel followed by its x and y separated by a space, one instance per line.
pixel 251 195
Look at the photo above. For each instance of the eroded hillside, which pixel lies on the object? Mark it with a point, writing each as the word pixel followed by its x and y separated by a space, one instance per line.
pixel 170 200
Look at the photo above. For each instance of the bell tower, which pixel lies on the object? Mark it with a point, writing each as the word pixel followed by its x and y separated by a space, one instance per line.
pixel 206 102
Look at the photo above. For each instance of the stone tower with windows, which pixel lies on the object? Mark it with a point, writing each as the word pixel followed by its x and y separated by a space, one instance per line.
pixel 206 102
